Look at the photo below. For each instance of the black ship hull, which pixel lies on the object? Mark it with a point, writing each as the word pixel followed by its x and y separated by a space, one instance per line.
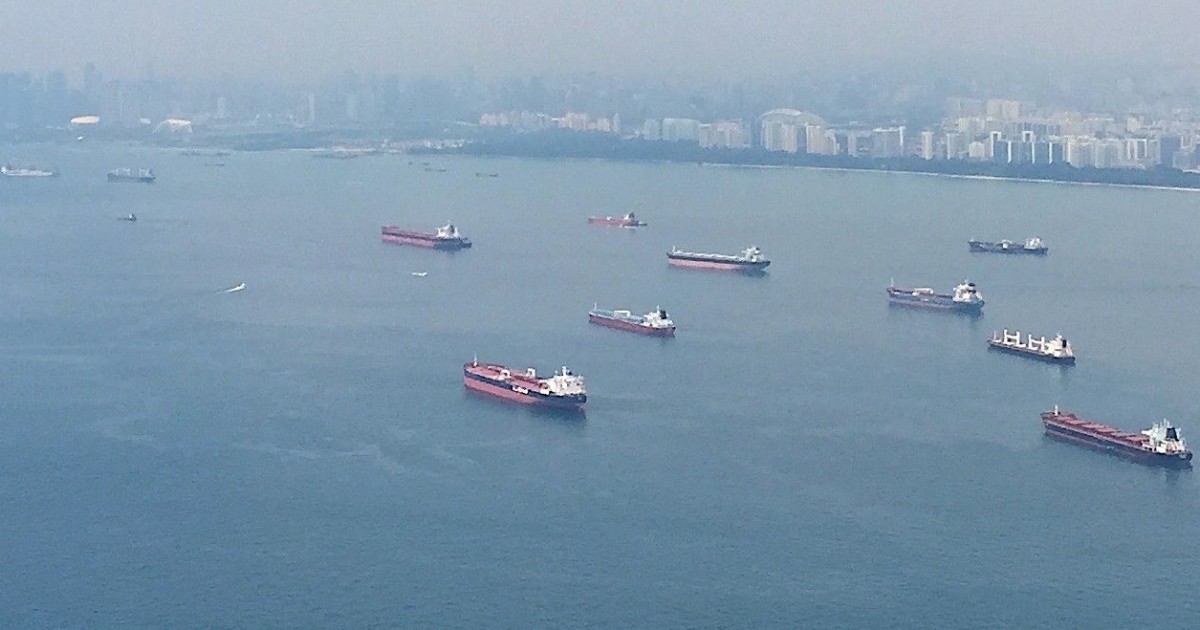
pixel 1030 354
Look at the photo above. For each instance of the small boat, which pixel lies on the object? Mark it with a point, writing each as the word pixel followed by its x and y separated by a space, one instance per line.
pixel 130 217
pixel 420 274
pixel 240 287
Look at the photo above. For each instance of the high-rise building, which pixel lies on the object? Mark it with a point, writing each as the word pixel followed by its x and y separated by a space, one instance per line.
pixel 927 148
pixel 652 129
pixel 887 142
pixel 680 130
pixel 1168 146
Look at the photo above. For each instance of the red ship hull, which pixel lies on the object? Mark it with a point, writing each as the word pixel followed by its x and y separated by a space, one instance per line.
pixel 1068 427
pixel 743 267
pixel 516 387
pixel 631 327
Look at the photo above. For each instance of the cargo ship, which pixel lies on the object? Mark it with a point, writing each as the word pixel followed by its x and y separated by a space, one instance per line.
pixel 965 299
pixel 8 170
pixel 1160 445
pixel 1033 246
pixel 446 237
pixel 655 323
pixel 628 220
pixel 564 390
pixel 750 261
pixel 141 176
pixel 1056 350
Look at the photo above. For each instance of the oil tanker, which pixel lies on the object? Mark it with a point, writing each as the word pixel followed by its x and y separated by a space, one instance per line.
pixel 965 299
pixel 750 261
pixel 655 323
pixel 564 390
pixel 446 237
pixel 1160 445
pixel 628 220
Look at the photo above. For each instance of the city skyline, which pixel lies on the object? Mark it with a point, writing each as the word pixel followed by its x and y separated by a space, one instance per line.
pixel 300 40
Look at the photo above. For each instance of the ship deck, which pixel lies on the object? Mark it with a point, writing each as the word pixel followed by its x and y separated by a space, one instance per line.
pixel 1095 429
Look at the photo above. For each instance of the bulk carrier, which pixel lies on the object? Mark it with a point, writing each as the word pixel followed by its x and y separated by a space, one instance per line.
pixel 628 220
pixel 1032 246
pixel 446 237
pixel 1056 350
pixel 1160 445
pixel 750 261
pixel 128 175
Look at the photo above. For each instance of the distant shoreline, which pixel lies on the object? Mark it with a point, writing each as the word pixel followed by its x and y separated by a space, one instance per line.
pixel 557 144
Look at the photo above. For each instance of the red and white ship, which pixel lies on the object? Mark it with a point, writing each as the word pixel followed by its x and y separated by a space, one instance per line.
pixel 1160 445
pixel 627 221
pixel 446 237
pixel 564 390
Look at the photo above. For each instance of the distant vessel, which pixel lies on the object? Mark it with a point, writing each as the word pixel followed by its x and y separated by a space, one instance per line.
pixel 130 217
pixel 1033 245
pixel 965 299
pixel 656 323
pixel 8 170
pixel 481 174
pixel 1160 445
pixel 564 390
pixel 141 176
pixel 751 260
pixel 1056 350
pixel 240 287
pixel 420 274
pixel 446 237
pixel 627 220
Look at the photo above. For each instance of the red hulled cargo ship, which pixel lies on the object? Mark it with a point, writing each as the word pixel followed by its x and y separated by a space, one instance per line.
pixel 1160 445
pixel 627 221
pixel 564 390
pixel 446 237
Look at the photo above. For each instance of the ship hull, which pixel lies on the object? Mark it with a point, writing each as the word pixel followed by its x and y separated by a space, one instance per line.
pixel 124 179
pixel 1072 435
pixel 719 265
pixel 943 303
pixel 1030 354
pixel 980 247
pixel 620 324
pixel 512 393
pixel 426 241
pixel 614 222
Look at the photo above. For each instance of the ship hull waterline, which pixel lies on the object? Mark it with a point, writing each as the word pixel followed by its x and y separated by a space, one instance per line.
pixel 1029 354
pixel 531 399
pixel 1087 440
pixel 618 324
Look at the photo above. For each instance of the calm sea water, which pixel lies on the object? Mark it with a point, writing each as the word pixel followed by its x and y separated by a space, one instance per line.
pixel 302 453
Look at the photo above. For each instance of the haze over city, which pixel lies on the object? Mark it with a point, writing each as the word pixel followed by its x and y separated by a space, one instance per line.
pixel 300 39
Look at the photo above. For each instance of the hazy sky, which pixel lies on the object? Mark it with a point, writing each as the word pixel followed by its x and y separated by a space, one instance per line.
pixel 720 38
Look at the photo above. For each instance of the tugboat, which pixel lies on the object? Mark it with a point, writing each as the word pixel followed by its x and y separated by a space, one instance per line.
pixel 965 299
pixel 564 390
pixel 142 176
pixel 750 261
pixel 1032 246
pixel 655 323
pixel 1160 445
pixel 1056 350
pixel 628 220
pixel 446 237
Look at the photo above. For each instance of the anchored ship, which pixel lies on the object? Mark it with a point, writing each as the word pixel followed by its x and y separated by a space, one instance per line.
pixel 1160 445
pixel 751 260
pixel 1056 350
pixel 656 323
pixel 627 220
pixel 141 176
pixel 965 299
pixel 1033 245
pixel 8 170
pixel 446 237
pixel 564 390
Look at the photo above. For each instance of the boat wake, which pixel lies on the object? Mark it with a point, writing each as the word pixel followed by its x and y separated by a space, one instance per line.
pixel 240 287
